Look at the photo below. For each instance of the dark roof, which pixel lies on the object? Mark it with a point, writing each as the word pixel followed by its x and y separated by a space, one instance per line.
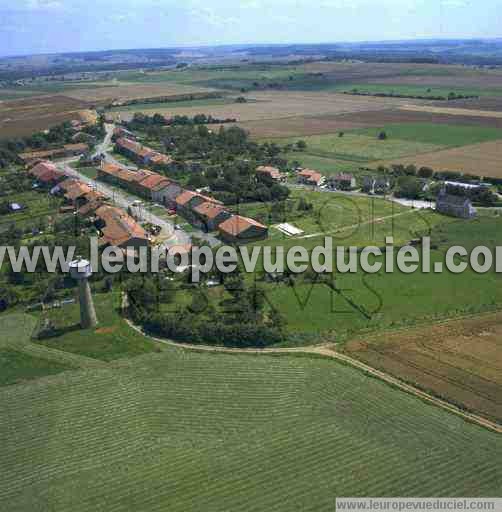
pixel 452 199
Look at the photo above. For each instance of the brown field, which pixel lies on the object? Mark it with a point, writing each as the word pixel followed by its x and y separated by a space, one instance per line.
pixel 19 118
pixel 484 159
pixel 132 91
pixel 281 105
pixel 460 361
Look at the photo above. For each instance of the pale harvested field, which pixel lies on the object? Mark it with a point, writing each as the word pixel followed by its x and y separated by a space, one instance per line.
pixel 484 159
pixel 134 91
pixel 19 118
pixel 451 111
pixel 298 126
pixel 460 360
pixel 281 105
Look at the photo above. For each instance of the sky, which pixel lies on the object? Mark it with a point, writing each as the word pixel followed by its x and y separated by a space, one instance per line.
pixel 53 26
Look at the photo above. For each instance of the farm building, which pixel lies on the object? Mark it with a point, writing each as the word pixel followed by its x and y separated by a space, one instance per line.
pixel 188 200
pixel 133 150
pixel 47 174
pixel 167 195
pixel 310 177
pixel 209 216
pixel 455 205
pixel 150 184
pixel 141 154
pixel 143 182
pixel 120 229
pixel 75 192
pixel 239 229
pixel 343 181
pixel 63 152
pixel 156 159
pixel 272 172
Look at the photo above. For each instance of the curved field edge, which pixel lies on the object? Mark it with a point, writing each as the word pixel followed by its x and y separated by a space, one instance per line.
pixel 186 430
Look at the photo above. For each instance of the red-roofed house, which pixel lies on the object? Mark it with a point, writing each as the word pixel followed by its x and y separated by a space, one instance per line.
pixel 343 181
pixel 237 229
pixel 209 216
pixel 273 172
pixel 46 173
pixel 310 177
pixel 119 229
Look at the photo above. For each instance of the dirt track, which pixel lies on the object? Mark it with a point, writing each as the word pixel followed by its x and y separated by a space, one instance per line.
pixel 329 351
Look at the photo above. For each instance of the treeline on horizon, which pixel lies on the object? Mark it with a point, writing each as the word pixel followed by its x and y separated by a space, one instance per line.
pixel 468 52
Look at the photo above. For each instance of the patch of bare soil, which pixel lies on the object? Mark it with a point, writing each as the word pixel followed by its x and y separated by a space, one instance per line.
pixel 460 360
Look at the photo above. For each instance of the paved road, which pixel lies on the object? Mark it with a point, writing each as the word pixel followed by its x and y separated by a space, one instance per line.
pixel 405 202
pixel 168 235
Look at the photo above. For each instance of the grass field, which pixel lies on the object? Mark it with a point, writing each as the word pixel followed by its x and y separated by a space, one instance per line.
pixel 187 431
pixel 111 340
pixel 17 367
pixel 36 205
pixel 353 216
pixel 383 301
pixel 90 172
pixel 404 141
pixel 438 134
pixel 360 148
pixel 367 303
pixel 325 165
pixel 17 364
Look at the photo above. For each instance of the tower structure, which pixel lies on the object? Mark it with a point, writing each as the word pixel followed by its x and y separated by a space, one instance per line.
pixel 80 270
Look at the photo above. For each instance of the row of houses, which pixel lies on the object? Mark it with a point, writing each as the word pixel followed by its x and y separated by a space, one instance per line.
pixel 140 154
pixel 144 183
pixel 200 210
pixel 117 228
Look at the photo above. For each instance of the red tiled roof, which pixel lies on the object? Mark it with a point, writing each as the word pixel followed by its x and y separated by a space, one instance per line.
pixel 46 172
pixel 344 177
pixel 42 167
pixel 273 172
pixel 134 147
pixel 159 158
pixel 79 189
pixel 119 226
pixel 90 207
pixel 185 197
pixel 237 225
pixel 68 183
pixel 311 175
pixel 209 210
pixel 154 181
